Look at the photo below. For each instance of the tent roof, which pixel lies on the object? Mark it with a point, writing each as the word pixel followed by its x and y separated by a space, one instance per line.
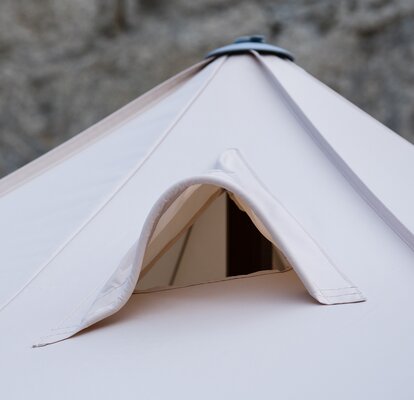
pixel 261 336
pixel 331 186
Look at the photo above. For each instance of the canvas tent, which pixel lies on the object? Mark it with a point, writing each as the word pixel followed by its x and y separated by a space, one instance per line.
pixel 329 186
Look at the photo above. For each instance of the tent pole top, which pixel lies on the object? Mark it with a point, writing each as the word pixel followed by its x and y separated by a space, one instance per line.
pixel 244 44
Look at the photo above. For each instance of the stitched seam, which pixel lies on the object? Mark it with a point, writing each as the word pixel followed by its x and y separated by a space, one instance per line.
pixel 358 185
pixel 87 297
pixel 72 328
pixel 341 288
pixel 344 294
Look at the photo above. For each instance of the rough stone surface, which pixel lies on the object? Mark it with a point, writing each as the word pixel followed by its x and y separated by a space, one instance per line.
pixel 65 64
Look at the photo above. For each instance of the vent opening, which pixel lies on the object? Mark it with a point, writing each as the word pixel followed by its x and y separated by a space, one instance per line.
pixel 206 235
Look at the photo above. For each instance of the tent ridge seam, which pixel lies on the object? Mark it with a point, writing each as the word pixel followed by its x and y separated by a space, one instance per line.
pixel 397 226
pixel 181 114
pixel 90 135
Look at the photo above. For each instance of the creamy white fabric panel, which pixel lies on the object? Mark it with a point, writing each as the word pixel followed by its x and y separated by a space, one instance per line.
pixel 38 217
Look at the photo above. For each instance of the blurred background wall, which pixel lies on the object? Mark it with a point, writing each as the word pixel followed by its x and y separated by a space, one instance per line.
pixel 65 64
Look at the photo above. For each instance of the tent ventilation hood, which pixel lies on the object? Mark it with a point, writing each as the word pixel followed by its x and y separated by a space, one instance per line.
pixel 244 44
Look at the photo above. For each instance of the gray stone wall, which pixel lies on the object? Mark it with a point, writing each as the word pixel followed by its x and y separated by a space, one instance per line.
pixel 65 64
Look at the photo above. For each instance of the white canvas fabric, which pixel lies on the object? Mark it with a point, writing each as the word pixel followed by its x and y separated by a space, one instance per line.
pixel 328 185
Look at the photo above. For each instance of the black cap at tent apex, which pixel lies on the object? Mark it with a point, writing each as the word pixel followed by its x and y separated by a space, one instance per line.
pixel 244 44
